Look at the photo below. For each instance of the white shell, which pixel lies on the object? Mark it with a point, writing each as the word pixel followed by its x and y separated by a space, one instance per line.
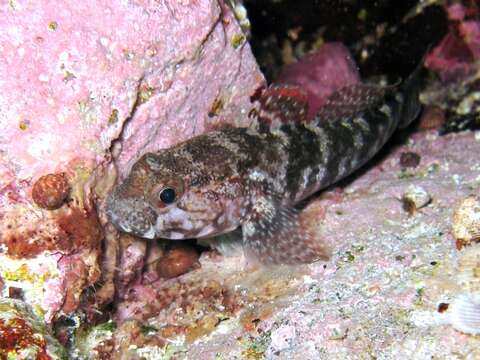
pixel 464 314
pixel 468 269
pixel 466 220
pixel 417 196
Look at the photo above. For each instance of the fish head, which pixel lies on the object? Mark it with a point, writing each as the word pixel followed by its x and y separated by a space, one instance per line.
pixel 166 196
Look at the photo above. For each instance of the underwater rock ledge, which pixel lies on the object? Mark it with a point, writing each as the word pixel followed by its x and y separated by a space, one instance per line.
pixel 87 85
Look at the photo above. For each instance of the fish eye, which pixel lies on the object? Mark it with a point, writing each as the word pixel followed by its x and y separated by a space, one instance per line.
pixel 167 195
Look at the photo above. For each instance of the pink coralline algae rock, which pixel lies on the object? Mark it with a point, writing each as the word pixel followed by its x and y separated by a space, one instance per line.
pixel 321 73
pixel 78 79
pixel 459 51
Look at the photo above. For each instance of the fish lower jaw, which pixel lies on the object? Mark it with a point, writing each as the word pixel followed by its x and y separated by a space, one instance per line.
pixel 125 228
pixel 150 234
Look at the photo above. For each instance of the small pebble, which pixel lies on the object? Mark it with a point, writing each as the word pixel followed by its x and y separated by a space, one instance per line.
pixel 178 260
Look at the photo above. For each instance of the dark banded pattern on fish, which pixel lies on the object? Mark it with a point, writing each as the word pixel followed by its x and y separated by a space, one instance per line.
pixel 253 177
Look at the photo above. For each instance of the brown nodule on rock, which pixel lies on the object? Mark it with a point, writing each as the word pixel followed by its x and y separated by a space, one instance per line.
pixel 442 307
pixel 50 191
pixel 15 293
pixel 409 159
pixel 178 260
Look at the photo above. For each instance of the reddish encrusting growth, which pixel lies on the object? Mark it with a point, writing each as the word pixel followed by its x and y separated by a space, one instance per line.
pixel 50 191
pixel 17 335
pixel 76 279
pixel 75 229
pixel 183 301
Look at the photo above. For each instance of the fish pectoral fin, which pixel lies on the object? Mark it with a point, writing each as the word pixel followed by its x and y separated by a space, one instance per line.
pixel 275 234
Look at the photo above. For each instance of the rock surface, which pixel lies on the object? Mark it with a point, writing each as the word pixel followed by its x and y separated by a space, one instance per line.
pixel 88 84
pixel 384 293
pixel 389 268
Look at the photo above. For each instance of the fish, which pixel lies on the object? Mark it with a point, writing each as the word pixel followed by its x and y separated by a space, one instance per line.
pixel 253 177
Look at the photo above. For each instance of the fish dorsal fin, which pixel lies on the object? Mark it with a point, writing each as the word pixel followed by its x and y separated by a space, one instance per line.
pixel 351 100
pixel 275 234
pixel 278 105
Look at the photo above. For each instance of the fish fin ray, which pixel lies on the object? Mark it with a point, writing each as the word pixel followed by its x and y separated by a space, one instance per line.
pixel 278 105
pixel 352 100
pixel 274 234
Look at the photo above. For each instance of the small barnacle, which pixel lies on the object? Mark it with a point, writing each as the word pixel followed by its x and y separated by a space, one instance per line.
pixel 468 269
pixel 50 191
pixel 415 198
pixel 467 104
pixel 237 40
pixel 294 33
pixel 241 15
pixel 151 51
pixel 466 221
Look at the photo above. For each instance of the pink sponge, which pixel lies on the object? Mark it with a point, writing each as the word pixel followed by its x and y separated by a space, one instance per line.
pixel 321 73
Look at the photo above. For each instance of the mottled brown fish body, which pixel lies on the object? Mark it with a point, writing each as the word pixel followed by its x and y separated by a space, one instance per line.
pixel 252 177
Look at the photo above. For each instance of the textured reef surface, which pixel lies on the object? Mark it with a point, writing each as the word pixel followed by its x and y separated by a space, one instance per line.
pixel 78 79
pixel 385 292
pixel 87 87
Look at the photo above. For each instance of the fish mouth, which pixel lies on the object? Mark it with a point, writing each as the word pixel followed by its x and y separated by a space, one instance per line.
pixel 123 226
pixel 150 234
pixel 131 216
